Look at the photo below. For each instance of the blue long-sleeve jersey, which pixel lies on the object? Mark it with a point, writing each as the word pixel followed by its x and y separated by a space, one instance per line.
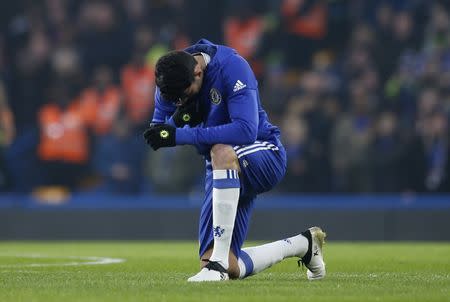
pixel 230 99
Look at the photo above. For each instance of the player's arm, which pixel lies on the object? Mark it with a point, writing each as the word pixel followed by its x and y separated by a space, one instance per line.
pixel 163 110
pixel 166 117
pixel 161 118
pixel 242 106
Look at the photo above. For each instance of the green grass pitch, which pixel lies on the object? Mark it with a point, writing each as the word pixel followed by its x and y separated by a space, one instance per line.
pixel 157 271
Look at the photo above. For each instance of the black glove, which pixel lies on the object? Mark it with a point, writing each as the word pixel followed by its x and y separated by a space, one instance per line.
pixel 188 114
pixel 160 135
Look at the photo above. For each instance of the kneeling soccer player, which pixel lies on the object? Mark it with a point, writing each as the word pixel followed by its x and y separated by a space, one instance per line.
pixel 207 96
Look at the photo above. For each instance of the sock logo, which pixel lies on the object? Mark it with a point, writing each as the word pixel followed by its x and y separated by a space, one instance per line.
pixel 218 231
pixel 287 240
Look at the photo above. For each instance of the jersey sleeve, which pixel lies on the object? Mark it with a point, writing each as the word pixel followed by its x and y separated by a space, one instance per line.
pixel 163 109
pixel 238 76
pixel 242 102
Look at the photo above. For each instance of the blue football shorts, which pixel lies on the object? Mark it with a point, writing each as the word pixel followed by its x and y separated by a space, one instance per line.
pixel 263 165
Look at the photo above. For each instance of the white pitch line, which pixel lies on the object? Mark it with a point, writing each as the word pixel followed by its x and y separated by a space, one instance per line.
pixel 86 260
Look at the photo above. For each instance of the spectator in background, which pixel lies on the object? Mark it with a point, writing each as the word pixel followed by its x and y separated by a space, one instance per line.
pixel 402 36
pixel 64 149
pixel 384 18
pixel 138 82
pixel 350 143
pixel 119 158
pixel 277 90
pixel 30 55
pixel 101 38
pixel 427 161
pixel 444 88
pixel 386 150
pixel 356 62
pixel 438 29
pixel 7 133
pixel 60 21
pixel 7 125
pixel 136 12
pixel 101 101
pixel 401 90
pixel 315 86
pixel 299 167
pixel 312 118
pixel 304 24
pixel 428 102
pixel 64 146
pixel 65 65
pixel 244 32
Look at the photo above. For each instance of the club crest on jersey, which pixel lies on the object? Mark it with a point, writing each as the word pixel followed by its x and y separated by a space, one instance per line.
pixel 215 96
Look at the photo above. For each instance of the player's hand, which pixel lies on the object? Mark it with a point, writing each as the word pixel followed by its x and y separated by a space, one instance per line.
pixel 188 114
pixel 160 135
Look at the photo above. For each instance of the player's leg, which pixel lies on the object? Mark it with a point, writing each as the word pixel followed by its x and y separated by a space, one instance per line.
pixel 206 234
pixel 226 189
pixel 307 246
pixel 262 167
pixel 225 198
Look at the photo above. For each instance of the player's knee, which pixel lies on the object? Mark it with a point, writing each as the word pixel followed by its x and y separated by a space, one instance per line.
pixel 224 157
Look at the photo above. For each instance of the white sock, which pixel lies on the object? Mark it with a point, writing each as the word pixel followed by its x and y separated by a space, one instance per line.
pixel 256 259
pixel 226 188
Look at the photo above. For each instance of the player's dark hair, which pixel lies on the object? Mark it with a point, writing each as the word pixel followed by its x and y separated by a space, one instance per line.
pixel 174 73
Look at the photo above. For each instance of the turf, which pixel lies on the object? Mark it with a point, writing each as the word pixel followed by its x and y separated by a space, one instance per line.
pixel 157 271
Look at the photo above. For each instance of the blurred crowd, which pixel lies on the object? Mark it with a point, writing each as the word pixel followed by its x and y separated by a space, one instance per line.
pixel 360 89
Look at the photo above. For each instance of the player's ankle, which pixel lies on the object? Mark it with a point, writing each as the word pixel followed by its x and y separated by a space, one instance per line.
pixel 222 263
pixel 217 266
